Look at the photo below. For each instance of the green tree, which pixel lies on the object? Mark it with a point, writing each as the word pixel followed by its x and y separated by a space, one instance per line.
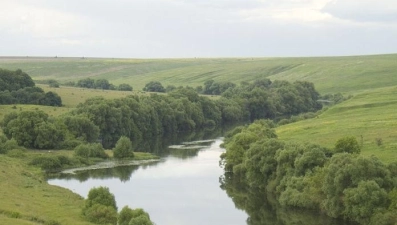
pixel 154 86
pixel 101 214
pixel 140 220
pixel 101 196
pixel 363 201
pixel 347 144
pixel 81 128
pixel 125 216
pixel 124 87
pixel 123 148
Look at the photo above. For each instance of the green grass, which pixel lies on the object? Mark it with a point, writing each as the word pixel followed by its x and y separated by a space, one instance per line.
pixel 72 96
pixel 26 194
pixel 366 116
pixel 329 74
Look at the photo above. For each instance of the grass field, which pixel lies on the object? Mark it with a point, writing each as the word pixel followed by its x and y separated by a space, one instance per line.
pixel 367 116
pixel 26 198
pixel 329 74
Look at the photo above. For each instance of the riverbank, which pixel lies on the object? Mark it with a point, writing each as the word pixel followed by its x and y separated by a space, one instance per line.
pixel 27 198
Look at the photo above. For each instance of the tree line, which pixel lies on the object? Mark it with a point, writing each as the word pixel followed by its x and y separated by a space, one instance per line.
pixel 102 84
pixel 338 181
pixel 17 87
pixel 147 117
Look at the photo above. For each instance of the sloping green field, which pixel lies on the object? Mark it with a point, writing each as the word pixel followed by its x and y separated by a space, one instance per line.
pixel 369 116
pixel 329 74
pixel 26 198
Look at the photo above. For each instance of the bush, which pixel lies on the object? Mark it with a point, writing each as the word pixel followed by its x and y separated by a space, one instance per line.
pixel 90 150
pixel 47 163
pixel 100 206
pixel 101 214
pixel 347 144
pixel 102 196
pixel 123 148
pixel 140 220
pixel 125 215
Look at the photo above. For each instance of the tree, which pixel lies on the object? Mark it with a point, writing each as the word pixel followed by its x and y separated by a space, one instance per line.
pixel 124 87
pixel 81 128
pixel 362 202
pixel 102 84
pixel 154 86
pixel 347 144
pixel 53 83
pixel 123 148
pixel 52 99
pixel 101 196
pixel 24 127
pixel 101 214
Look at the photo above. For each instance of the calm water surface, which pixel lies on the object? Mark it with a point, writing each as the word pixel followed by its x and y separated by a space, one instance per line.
pixel 183 188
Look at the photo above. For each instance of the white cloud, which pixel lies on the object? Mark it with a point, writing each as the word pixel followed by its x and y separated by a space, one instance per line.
pixel 189 28
pixel 287 11
pixel 38 22
pixel 379 11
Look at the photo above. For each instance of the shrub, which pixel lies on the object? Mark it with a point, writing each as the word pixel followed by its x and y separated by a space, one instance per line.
pixel 90 150
pixel 347 144
pixel 101 214
pixel 47 163
pixel 123 148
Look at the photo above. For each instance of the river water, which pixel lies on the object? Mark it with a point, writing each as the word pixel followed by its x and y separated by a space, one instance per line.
pixel 184 188
pixel 180 189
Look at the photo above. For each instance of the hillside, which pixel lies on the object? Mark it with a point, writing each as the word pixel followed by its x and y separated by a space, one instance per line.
pixel 329 74
pixel 368 116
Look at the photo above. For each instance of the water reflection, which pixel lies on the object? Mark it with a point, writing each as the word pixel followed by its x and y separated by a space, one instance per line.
pixel 264 209
pixel 181 189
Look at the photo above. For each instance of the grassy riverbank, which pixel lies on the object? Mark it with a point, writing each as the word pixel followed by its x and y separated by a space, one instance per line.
pixel 26 198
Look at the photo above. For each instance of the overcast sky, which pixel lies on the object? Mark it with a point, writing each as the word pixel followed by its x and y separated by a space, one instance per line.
pixel 197 28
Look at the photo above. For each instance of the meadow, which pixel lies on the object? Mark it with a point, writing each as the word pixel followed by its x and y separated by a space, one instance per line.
pixel 370 117
pixel 330 74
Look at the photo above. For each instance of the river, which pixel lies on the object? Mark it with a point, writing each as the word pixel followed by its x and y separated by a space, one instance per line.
pixel 184 188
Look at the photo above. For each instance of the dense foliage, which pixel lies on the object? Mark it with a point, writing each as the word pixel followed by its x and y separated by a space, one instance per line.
pixel 100 208
pixel 146 117
pixel 100 84
pixel 154 86
pixel 14 80
pixel 128 216
pixel 337 182
pixel 17 87
pixel 123 148
pixel 35 129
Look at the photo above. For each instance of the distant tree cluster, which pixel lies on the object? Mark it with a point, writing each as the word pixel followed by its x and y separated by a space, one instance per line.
pixel 216 88
pixel 154 86
pixel 100 84
pixel 16 87
pixel 338 182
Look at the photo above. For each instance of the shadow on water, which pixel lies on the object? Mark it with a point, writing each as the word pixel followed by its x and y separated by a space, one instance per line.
pixel 263 209
pixel 123 173
pixel 160 145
